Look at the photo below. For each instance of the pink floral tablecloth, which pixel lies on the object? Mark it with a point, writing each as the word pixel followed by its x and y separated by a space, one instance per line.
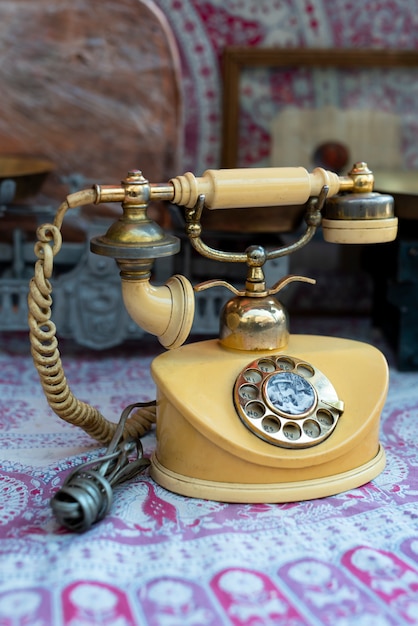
pixel 163 559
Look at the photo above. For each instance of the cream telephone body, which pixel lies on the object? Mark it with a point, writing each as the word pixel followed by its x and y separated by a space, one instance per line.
pixel 257 415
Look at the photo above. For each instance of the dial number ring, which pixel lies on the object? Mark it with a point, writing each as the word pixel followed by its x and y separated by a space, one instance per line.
pixel 287 401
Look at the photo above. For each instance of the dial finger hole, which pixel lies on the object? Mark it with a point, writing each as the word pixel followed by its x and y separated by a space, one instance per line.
pixel 255 410
pixel 285 364
pixel 271 425
pixel 312 429
pixel 325 418
pixel 253 376
pixel 292 431
pixel 305 370
pixel 248 392
pixel 266 365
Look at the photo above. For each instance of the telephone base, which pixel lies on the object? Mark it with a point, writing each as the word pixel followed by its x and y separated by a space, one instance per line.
pixel 204 450
pixel 309 489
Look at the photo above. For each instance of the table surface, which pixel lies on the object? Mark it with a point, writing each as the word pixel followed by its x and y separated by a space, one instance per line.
pixel 163 559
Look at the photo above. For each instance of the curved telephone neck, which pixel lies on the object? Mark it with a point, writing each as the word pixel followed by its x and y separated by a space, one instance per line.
pixel 135 241
pixel 166 311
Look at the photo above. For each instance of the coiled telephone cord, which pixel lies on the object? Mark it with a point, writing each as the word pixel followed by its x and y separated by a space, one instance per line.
pixel 44 343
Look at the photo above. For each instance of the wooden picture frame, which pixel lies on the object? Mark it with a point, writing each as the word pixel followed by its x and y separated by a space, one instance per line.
pixel 236 58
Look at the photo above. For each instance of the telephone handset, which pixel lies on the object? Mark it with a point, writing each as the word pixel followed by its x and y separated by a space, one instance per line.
pixel 258 415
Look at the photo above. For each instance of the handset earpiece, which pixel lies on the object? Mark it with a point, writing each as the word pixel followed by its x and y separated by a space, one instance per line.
pixel 361 217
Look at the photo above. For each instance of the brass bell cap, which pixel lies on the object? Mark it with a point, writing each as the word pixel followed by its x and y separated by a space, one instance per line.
pixel 248 323
pixel 359 206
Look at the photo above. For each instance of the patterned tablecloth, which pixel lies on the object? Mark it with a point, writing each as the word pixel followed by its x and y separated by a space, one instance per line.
pixel 159 558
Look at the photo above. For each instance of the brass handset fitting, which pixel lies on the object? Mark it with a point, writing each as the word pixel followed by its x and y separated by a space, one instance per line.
pixel 359 179
pixel 134 235
pixel 135 241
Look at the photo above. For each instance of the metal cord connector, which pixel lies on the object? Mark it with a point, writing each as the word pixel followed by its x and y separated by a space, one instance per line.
pixel 86 495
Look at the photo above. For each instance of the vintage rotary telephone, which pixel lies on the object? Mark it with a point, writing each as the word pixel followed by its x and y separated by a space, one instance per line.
pixel 257 415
